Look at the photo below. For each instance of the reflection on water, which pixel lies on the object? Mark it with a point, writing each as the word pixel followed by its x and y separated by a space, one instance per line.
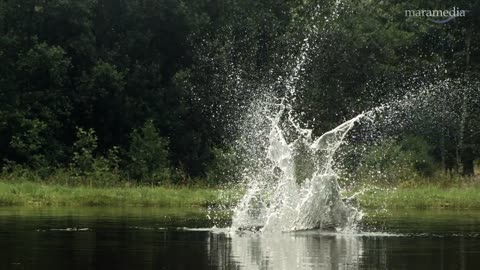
pixel 314 250
pixel 103 238
pixel 309 250
pixel 408 240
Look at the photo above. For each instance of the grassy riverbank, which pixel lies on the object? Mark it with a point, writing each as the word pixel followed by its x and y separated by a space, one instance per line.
pixel 423 196
pixel 32 193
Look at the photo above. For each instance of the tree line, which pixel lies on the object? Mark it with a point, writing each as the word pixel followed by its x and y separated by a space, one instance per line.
pixel 144 88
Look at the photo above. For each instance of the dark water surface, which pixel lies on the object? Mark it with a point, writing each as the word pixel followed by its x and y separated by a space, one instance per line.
pixel 135 238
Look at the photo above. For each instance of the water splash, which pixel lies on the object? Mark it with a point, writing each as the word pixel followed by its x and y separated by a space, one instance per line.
pixel 290 180
pixel 290 177
pixel 278 199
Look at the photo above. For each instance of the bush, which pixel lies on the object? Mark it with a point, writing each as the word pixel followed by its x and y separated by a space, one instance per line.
pixel 83 151
pixel 148 154
pixel 18 173
pixel 29 143
pixel 420 153
pixel 394 161
pixel 98 171
pixel 224 167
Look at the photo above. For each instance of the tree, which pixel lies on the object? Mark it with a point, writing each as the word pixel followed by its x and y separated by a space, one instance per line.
pixel 34 100
pixel 148 155
pixel 101 104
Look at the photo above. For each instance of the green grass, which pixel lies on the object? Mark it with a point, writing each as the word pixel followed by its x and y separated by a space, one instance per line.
pixel 32 193
pixel 458 195
pixel 424 196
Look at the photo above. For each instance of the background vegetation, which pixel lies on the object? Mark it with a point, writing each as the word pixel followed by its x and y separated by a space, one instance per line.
pixel 98 92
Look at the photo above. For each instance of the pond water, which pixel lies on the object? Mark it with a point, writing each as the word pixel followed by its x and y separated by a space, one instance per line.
pixel 150 238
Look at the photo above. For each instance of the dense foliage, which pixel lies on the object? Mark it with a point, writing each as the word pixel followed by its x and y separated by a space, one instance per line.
pixel 143 88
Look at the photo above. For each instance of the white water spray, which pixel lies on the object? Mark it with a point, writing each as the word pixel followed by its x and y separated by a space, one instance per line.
pixel 291 183
pixel 278 200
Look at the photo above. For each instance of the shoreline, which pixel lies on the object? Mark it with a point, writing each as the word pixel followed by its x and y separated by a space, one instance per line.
pixel 44 194
pixel 425 196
